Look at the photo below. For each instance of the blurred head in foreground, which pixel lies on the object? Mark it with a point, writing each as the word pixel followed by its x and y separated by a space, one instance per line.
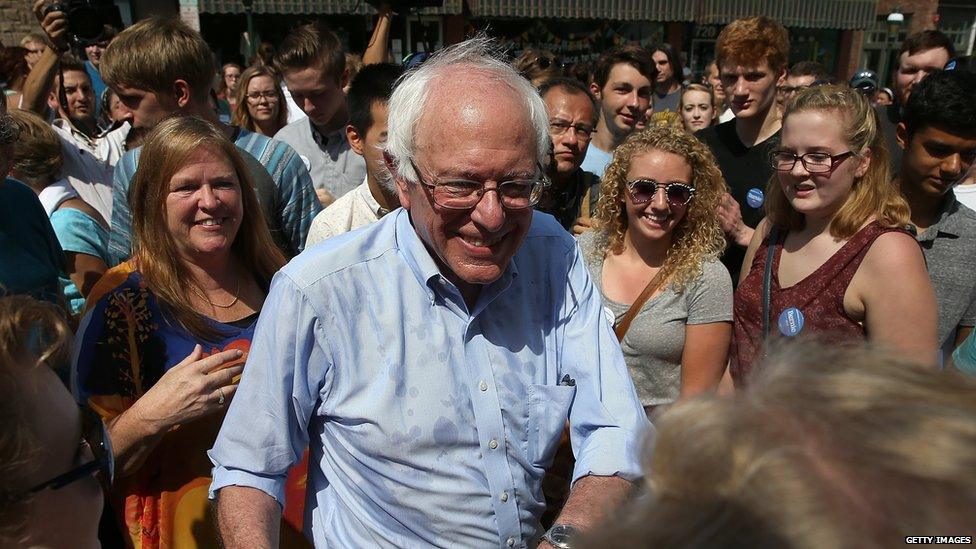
pixel 827 447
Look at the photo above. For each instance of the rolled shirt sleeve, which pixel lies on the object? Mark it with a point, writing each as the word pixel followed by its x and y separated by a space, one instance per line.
pixel 608 426
pixel 266 428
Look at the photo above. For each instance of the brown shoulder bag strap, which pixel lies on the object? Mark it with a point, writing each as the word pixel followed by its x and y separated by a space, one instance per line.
pixel 621 327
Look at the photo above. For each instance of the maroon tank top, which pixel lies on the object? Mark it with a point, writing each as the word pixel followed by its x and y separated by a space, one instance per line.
pixel 819 296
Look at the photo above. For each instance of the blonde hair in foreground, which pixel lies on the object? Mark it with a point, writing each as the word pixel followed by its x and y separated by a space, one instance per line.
pixel 873 195
pixel 167 149
pixel 826 447
pixel 698 237
pixel 32 334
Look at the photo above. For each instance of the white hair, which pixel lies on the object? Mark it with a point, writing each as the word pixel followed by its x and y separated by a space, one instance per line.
pixel 412 93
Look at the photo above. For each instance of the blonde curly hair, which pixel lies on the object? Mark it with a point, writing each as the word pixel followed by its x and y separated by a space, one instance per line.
pixel 698 237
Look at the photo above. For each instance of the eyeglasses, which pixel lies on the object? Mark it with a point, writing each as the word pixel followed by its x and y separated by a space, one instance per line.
pixel 582 131
pixel 256 96
pixel 642 191
pixel 94 435
pixel 461 194
pixel 813 162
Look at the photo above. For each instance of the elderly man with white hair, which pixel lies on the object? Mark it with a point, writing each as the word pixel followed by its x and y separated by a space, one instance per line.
pixel 431 360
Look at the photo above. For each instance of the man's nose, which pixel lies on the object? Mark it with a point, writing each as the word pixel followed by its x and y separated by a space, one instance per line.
pixel 952 164
pixel 488 213
pixel 739 88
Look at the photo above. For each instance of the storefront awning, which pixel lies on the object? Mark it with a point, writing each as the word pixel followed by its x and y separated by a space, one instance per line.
pixel 325 7
pixel 620 10
pixel 834 14
pixel 816 14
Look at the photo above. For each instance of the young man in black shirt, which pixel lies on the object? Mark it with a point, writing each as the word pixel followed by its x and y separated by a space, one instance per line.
pixel 751 54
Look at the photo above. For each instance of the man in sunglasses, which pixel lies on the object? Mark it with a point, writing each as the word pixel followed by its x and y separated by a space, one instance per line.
pixel 937 135
pixel 431 360
pixel 572 113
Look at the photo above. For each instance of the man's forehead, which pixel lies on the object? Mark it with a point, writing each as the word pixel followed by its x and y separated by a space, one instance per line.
pixel 935 57
pixel 625 72
pixel 946 136
pixel 733 68
pixel 557 98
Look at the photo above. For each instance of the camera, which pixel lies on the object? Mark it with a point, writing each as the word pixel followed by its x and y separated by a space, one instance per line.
pixel 87 18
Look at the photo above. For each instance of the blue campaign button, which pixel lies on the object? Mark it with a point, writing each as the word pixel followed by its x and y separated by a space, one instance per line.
pixel 755 197
pixel 790 322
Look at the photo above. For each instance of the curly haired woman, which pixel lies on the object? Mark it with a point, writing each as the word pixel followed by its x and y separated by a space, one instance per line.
pixel 656 250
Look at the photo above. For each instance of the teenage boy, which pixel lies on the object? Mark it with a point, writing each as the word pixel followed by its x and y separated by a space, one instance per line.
pixel 368 100
pixel 937 135
pixel 313 64
pixel 162 67
pixel 622 84
pixel 921 54
pixel 751 54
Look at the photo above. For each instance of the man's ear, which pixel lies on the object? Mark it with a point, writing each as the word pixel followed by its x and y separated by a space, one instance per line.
pixel 344 79
pixel 182 93
pixel 398 182
pixel 901 135
pixel 356 141
pixel 596 90
pixel 52 102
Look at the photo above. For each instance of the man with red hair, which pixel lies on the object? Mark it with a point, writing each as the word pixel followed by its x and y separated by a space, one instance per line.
pixel 751 54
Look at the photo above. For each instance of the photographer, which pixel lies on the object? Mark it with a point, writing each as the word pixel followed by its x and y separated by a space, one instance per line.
pixel 89 156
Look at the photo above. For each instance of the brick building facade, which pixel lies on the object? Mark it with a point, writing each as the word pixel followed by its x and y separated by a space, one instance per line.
pixel 16 20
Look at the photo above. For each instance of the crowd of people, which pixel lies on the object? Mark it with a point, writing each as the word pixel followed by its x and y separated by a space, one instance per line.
pixel 479 300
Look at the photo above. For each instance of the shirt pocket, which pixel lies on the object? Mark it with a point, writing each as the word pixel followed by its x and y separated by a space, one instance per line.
pixel 548 411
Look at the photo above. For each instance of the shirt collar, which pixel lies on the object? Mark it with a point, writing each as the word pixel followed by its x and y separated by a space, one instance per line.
pixel 426 271
pixel 367 196
pixel 946 223
pixel 330 139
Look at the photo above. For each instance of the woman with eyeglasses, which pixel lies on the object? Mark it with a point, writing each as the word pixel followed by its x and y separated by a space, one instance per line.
pixel 164 341
pixel 260 91
pixel 697 107
pixel 52 453
pixel 654 258
pixel 842 267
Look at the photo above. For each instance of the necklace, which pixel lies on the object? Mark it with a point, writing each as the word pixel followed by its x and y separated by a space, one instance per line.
pixel 237 294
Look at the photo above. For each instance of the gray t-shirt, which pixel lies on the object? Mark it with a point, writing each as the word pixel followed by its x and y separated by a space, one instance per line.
pixel 668 102
pixel 656 339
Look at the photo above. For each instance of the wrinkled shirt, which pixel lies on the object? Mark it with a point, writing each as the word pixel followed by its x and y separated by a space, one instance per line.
pixel 429 424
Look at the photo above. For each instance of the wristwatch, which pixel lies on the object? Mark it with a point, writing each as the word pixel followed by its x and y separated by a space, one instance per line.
pixel 562 536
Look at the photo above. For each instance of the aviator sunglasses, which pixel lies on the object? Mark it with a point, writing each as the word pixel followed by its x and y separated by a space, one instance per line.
pixel 643 190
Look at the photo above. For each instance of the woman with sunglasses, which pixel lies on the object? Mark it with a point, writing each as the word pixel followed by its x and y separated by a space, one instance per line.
pixel 51 451
pixel 654 258
pixel 842 266
pixel 261 94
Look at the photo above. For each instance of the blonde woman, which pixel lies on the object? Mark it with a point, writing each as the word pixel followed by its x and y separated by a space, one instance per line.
pixel 262 102
pixel 657 246
pixel 842 267
pixel 166 335
pixel 697 107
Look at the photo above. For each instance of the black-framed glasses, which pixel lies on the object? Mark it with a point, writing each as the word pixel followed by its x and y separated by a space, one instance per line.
pixel 582 131
pixel 463 194
pixel 642 191
pixel 813 162
pixel 94 436
pixel 269 95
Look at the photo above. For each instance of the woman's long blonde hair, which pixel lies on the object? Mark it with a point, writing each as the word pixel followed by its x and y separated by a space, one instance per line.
pixel 167 149
pixel 698 237
pixel 873 195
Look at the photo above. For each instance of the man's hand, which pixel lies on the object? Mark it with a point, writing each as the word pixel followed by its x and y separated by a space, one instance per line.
pixel 582 225
pixel 325 197
pixel 55 25
pixel 730 217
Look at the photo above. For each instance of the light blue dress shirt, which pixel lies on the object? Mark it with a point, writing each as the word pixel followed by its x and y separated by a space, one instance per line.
pixel 430 425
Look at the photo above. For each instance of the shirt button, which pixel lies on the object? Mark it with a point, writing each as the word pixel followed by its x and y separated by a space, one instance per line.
pixel 483 386
pixel 493 444
pixel 504 496
pixel 511 542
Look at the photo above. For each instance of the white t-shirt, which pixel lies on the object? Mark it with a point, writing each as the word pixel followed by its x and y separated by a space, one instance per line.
pixel 596 161
pixel 966 194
